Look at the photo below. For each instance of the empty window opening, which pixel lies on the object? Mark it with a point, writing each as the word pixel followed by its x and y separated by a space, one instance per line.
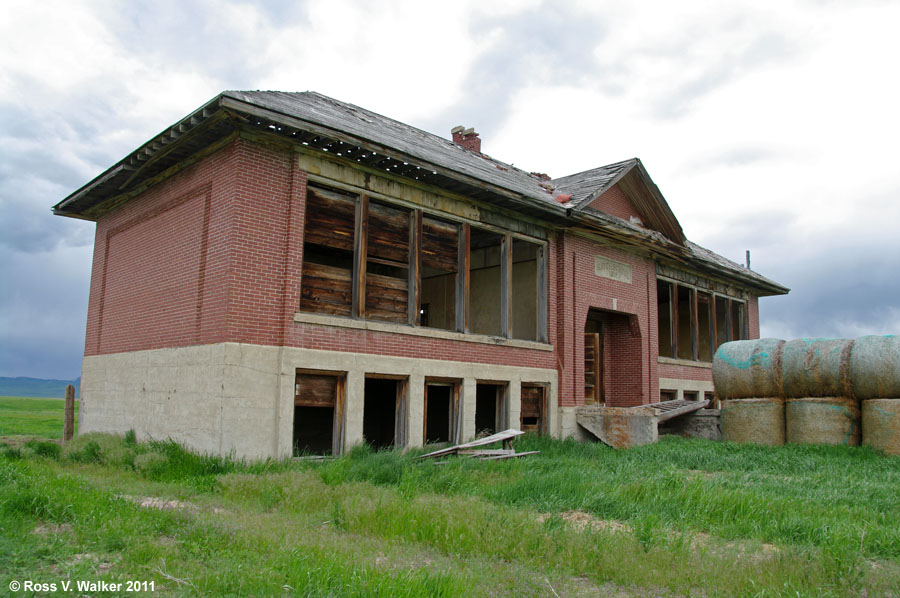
pixel 737 321
pixel 484 282
pixel 534 409
pixel 690 395
pixel 490 408
pixel 704 327
pixel 668 395
pixel 326 285
pixel 664 315
pixel 387 264
pixel 318 400
pixel 441 406
pixel 525 289
pixel 684 322
pixel 440 266
pixel 722 324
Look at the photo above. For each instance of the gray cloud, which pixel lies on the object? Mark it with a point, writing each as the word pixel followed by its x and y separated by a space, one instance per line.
pixel 549 45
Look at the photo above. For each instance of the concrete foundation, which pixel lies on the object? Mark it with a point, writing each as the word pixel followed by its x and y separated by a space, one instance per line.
pixel 704 423
pixel 621 427
pixel 239 398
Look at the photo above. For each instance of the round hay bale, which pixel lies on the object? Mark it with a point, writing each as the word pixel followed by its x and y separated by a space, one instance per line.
pixel 881 424
pixel 822 420
pixel 875 367
pixel 757 420
pixel 747 369
pixel 816 367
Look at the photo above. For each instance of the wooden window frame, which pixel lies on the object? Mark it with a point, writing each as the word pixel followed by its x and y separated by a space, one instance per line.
pixel 463 281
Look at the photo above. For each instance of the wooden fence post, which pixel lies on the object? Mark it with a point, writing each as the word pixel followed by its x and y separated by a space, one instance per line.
pixel 69 424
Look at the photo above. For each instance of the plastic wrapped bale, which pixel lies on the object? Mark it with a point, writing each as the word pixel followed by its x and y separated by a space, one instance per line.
pixel 816 367
pixel 881 424
pixel 757 420
pixel 875 367
pixel 822 420
pixel 746 369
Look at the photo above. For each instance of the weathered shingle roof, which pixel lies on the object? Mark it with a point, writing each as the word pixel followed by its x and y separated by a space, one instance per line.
pixel 591 183
pixel 328 124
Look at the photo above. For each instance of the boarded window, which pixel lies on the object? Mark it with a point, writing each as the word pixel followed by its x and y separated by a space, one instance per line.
pixel 534 409
pixel 387 264
pixel 318 413
pixel 326 285
pixel 440 268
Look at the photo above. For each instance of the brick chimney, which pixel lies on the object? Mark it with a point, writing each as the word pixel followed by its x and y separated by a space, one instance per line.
pixel 467 138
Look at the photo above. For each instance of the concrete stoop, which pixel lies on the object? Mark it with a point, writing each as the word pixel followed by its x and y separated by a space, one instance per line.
pixel 624 427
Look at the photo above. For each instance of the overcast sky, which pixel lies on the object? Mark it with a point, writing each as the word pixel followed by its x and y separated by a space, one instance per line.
pixel 768 126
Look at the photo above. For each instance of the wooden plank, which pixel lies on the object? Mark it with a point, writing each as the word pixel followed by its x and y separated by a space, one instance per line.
pixel 498 437
pixel 359 257
pixel 462 281
pixel 695 323
pixel 512 456
pixel 315 390
pixel 414 282
pixel 543 296
pixel 673 317
pixel 486 452
pixel 690 407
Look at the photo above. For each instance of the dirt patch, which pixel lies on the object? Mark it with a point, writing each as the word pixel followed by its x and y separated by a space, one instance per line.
pixel 162 504
pixel 580 520
pixel 20 441
pixel 52 529
pixel 101 566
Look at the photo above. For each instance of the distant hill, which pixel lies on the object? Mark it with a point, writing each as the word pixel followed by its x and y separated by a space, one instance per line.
pixel 36 387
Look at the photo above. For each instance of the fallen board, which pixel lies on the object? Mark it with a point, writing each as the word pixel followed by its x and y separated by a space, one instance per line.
pixel 505 437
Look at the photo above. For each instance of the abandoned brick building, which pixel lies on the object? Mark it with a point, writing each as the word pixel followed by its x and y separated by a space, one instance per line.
pixel 283 271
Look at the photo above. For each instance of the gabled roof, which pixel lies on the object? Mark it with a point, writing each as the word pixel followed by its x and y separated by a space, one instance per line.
pixel 375 141
pixel 635 182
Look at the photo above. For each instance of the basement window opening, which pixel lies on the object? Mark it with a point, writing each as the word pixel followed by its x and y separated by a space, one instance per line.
pixel 384 413
pixel 441 412
pixel 534 409
pixel 318 413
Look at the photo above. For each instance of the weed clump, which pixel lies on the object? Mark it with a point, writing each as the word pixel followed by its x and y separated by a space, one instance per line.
pixel 99 448
pixel 42 448
pixel 151 465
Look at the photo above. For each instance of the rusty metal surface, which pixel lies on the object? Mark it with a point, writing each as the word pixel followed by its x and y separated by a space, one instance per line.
pixel 822 420
pixel 881 424
pixel 756 420
pixel 875 367
pixel 746 369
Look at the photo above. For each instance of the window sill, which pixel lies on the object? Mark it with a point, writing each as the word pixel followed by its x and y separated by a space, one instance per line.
pixel 340 322
pixel 687 362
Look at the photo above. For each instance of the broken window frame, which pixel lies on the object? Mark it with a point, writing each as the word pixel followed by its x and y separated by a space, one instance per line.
pixel 732 306
pixel 357 308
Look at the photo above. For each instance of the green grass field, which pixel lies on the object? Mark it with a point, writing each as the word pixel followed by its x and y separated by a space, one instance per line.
pixel 679 518
pixel 25 416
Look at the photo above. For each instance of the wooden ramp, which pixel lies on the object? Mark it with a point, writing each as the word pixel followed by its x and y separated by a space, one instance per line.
pixel 623 427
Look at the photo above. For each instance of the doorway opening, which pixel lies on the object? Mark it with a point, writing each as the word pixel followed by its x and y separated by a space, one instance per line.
pixel 491 408
pixel 441 412
pixel 384 412
pixel 318 413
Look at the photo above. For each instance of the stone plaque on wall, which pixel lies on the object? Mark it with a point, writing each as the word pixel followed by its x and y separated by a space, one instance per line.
pixel 607 268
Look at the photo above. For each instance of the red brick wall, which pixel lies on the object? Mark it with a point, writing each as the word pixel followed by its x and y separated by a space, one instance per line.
pixel 160 264
pixel 214 254
pixel 630 371
pixel 614 202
